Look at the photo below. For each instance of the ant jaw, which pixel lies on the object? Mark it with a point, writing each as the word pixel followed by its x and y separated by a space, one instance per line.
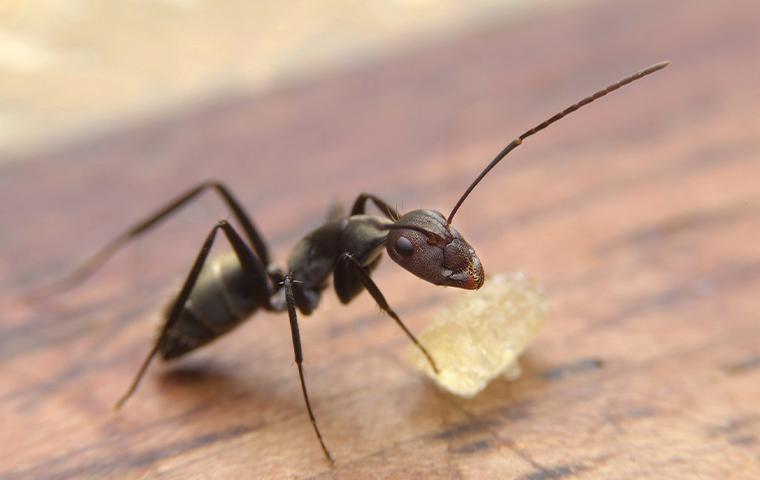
pixel 466 280
pixel 469 274
pixel 477 275
pixel 470 278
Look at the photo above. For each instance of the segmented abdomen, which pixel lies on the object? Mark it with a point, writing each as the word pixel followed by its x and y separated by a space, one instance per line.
pixel 220 301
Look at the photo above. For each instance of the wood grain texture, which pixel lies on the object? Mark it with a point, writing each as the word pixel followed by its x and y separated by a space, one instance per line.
pixel 640 214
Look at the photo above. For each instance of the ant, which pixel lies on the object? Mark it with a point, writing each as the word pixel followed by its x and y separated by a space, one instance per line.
pixel 220 293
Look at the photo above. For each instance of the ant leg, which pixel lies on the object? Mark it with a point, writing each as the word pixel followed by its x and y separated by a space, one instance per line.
pixel 291 302
pixel 335 212
pixel 100 257
pixel 360 206
pixel 372 288
pixel 250 265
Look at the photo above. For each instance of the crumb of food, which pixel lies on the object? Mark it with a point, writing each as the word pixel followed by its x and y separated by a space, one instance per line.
pixel 480 336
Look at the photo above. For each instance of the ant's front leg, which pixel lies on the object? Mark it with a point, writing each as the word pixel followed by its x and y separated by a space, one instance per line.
pixel 348 260
pixel 253 270
pixel 360 206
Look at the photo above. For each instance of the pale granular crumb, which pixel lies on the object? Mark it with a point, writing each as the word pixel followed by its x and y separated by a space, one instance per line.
pixel 480 336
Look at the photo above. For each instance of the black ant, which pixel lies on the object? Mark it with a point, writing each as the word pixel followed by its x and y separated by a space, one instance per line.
pixel 218 296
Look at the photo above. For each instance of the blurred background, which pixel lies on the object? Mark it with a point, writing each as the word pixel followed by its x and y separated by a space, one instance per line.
pixel 69 68
pixel 639 214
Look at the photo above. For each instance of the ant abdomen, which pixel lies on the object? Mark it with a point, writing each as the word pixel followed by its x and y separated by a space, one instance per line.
pixel 220 301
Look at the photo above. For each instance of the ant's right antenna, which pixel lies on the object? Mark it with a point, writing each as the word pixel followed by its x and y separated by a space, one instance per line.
pixel 515 143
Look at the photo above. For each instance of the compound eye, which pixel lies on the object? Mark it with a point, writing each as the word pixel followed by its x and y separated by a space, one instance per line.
pixel 404 246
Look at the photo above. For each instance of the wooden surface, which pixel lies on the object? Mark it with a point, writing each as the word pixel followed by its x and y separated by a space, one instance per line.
pixel 640 215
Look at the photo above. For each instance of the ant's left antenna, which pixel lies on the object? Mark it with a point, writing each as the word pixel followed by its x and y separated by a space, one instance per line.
pixel 516 142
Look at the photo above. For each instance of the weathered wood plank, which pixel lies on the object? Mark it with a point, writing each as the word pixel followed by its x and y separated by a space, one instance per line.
pixel 640 215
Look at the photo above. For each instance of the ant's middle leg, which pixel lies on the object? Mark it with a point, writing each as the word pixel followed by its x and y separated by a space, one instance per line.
pixel 253 270
pixel 100 257
pixel 290 299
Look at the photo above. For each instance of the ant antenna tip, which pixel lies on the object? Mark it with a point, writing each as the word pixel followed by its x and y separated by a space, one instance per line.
pixel 572 108
pixel 659 66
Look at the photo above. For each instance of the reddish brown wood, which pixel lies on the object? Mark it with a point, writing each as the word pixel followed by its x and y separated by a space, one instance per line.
pixel 640 214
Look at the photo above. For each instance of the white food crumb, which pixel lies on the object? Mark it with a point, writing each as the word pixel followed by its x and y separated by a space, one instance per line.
pixel 480 336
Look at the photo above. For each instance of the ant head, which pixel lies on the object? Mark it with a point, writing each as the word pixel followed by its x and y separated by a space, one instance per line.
pixel 426 245
pixel 423 241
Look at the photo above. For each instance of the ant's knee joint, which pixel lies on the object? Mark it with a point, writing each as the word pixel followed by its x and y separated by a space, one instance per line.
pixel 215 184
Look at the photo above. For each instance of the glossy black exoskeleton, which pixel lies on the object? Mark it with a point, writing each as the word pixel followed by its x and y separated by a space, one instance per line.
pixel 222 292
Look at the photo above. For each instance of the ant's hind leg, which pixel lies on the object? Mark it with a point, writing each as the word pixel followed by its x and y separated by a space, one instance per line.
pixel 252 268
pixel 100 257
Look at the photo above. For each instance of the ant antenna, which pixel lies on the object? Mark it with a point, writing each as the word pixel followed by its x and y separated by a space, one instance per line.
pixel 516 142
